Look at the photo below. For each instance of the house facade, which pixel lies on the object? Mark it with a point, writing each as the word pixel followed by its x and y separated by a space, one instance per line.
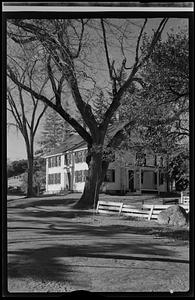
pixel 66 169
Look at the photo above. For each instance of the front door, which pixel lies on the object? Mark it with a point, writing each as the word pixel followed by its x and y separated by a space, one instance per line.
pixel 131 180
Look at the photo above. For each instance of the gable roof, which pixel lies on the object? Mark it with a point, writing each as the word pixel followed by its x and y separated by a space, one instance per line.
pixel 75 141
pixel 71 143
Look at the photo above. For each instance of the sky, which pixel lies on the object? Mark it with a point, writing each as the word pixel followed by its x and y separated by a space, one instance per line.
pixel 15 143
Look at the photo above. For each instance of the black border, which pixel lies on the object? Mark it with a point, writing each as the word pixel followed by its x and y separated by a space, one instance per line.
pixel 96 14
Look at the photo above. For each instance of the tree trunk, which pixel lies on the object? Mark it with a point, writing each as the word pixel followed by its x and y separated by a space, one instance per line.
pixel 93 182
pixel 105 165
pixel 30 191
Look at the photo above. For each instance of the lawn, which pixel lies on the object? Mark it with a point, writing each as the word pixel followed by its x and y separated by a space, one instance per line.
pixel 53 248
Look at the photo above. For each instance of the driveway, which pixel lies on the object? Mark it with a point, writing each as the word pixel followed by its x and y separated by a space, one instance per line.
pixel 53 248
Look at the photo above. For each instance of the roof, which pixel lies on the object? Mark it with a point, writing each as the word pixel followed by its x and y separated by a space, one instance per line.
pixel 75 141
pixel 71 143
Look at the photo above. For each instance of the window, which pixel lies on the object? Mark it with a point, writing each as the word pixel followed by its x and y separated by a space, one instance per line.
pixel 110 176
pixel 155 178
pixel 54 178
pixel 142 177
pixel 162 176
pixel 49 162
pixel 68 159
pixel 80 156
pixel 54 161
pixel 80 176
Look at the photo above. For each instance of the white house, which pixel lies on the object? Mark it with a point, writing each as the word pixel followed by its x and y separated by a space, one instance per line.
pixel 66 169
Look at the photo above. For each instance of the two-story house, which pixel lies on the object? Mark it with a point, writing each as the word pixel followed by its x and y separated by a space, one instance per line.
pixel 66 169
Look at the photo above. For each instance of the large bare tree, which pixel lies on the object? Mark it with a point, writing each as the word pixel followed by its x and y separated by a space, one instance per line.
pixel 26 112
pixel 87 53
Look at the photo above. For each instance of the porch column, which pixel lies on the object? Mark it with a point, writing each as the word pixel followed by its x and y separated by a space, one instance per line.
pixel 72 170
pixel 47 172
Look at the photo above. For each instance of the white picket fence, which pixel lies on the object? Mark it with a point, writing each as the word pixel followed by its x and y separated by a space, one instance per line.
pixel 148 211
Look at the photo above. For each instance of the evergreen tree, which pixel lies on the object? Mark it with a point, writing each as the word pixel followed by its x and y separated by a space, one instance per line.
pixel 55 131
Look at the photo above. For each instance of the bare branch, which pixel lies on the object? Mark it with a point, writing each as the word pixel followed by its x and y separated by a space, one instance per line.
pixel 155 39
pixel 80 39
pixel 106 50
pixel 83 133
pixel 51 77
pixel 138 41
pixel 140 81
pixel 13 124
pixel 39 118
pixel 14 110
pixel 21 39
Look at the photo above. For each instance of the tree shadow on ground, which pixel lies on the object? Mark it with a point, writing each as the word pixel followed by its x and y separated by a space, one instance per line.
pixel 64 214
pixel 48 263
pixel 46 202
pixel 112 230
pixel 83 222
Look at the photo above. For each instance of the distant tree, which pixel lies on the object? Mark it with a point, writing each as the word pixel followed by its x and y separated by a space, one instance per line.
pixel 39 175
pixel 17 167
pixel 26 110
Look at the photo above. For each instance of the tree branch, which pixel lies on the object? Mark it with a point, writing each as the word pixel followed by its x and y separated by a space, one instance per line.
pixel 51 77
pixel 14 110
pixel 155 39
pixel 83 133
pixel 121 134
pixel 138 41
pixel 39 118
pixel 80 40
pixel 110 67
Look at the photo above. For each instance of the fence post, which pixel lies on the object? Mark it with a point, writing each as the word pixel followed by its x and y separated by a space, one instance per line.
pixel 120 208
pixel 150 213
pixel 181 200
pixel 97 207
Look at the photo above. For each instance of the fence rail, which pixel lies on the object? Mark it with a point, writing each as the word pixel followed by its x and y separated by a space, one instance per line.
pixel 148 211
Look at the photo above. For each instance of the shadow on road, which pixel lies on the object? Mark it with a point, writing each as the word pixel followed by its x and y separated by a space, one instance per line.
pixel 33 202
pixel 46 264
pixel 90 224
pixel 34 252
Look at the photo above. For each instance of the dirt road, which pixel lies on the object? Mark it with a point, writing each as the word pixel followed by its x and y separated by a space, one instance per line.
pixel 52 248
